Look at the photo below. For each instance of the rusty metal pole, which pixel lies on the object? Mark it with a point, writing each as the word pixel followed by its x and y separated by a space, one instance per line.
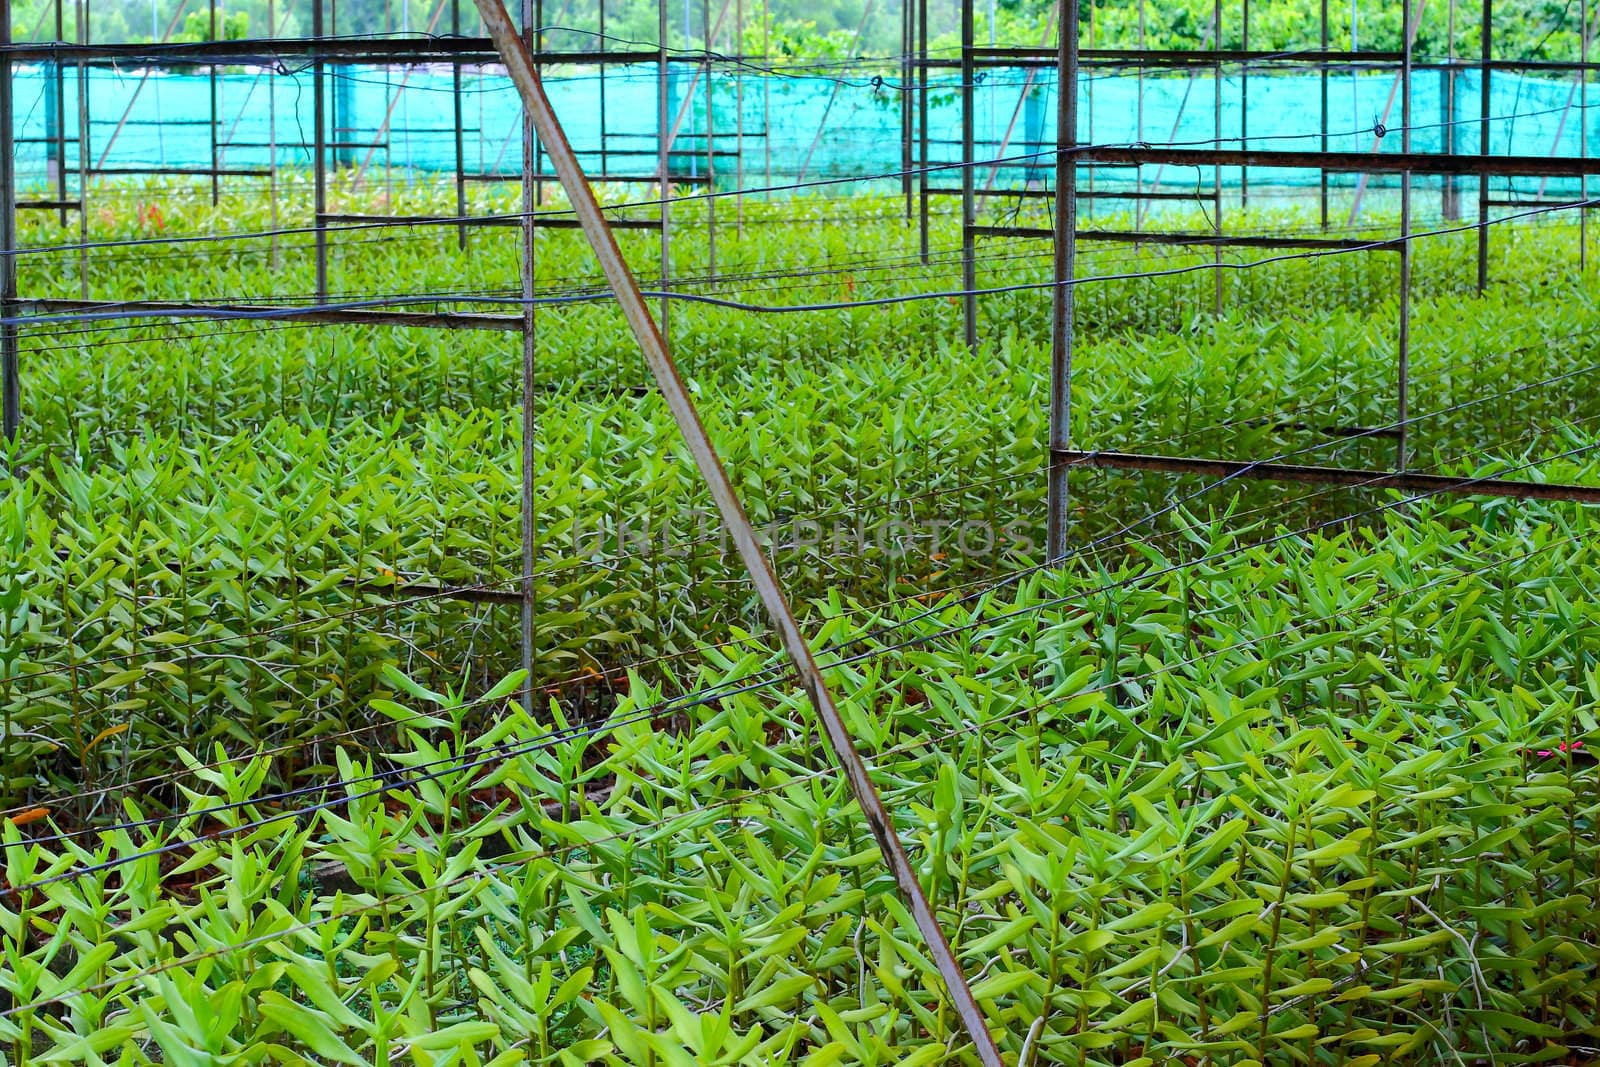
pixel 58 100
pixel 1216 171
pixel 1449 191
pixel 766 95
pixel 538 150
pixel 1383 119
pixel 1138 176
pixel 637 312
pixel 923 189
pixel 272 148
pixel 1322 66
pixel 969 257
pixel 211 74
pixel 1487 32
pixel 84 149
pixel 1244 102
pixel 711 139
pixel 1449 210
pixel 1404 327
pixel 10 376
pixel 1062 296
pixel 1583 136
pixel 907 33
pixel 605 163
pixel 663 158
pixel 1088 116
pixel 319 156
pixel 1019 112
pixel 738 116
pixel 529 384
pixel 690 93
pixel 461 147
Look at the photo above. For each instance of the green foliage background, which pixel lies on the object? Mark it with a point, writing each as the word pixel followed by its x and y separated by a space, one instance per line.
pixel 1524 29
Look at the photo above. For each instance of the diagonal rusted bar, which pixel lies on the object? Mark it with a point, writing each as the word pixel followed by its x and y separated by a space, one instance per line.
pixel 519 64
pixel 1016 112
pixel 394 101
pixel 137 89
pixel 688 94
pixel 855 46
pixel 1388 106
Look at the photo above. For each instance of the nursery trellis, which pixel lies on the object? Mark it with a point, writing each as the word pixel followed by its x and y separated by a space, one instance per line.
pixel 1078 159
pixel 326 53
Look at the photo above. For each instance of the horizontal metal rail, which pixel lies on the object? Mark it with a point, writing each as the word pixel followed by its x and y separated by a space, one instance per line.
pixel 1344 162
pixel 187 172
pixel 1353 478
pixel 1025 56
pixel 1207 239
pixel 1129 193
pixel 1535 202
pixel 449 320
pixel 475 51
pixel 598 179
pixel 1175 57
pixel 554 223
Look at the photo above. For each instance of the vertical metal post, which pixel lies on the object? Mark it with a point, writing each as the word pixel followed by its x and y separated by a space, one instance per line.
pixel 766 95
pixel 456 100
pixel 1449 208
pixel 1403 331
pixel 1088 107
pixel 833 96
pixel 1244 103
pixel 319 154
pixel 1063 292
pixel 1583 135
pixel 907 32
pixel 391 96
pixel 1138 74
pixel 663 145
pixel 605 166
pixel 341 120
pixel 272 144
pixel 688 94
pixel 10 373
pixel 57 95
pixel 1487 31
pixel 211 75
pixel 1450 185
pixel 711 143
pixel 529 377
pixel 1216 172
pixel 738 115
pixel 84 149
pixel 923 192
pixel 538 151
pixel 1322 66
pixel 969 261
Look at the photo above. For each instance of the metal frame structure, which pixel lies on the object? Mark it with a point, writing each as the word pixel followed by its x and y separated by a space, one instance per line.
pixel 329 55
pixel 520 48
pixel 1065 234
